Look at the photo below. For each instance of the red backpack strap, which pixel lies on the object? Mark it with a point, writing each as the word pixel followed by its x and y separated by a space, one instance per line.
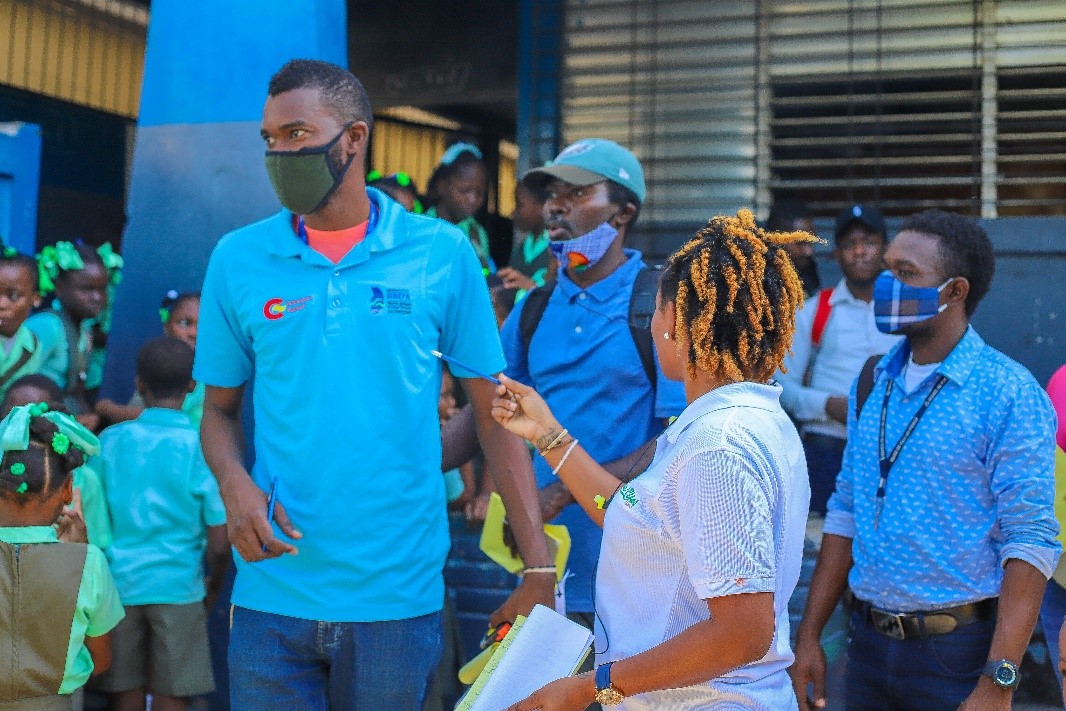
pixel 821 316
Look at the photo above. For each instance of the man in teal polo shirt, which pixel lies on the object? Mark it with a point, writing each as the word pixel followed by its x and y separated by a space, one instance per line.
pixel 334 306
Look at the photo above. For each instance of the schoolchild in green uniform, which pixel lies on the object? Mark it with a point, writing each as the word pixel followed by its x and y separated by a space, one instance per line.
pixel 458 189
pixel 530 264
pixel 180 314
pixel 77 276
pixel 59 600
pixel 35 388
pixel 166 512
pixel 20 352
pixel 101 326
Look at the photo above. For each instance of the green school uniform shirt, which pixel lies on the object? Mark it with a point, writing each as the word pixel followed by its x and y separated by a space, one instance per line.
pixel 531 257
pixel 94 507
pixel 162 498
pixel 96 611
pixel 24 341
pixel 478 237
pixel 54 349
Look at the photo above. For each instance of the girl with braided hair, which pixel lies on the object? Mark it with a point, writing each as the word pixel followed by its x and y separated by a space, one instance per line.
pixel 702 551
pixel 59 601
pixel 79 279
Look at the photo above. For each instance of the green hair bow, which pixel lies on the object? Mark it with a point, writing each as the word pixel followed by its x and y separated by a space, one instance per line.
pixel 113 262
pixel 63 256
pixel 15 430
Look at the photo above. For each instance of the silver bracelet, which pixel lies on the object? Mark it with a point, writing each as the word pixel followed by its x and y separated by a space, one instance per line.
pixel 566 455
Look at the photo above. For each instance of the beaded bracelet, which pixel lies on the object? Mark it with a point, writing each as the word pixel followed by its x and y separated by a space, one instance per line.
pixel 566 455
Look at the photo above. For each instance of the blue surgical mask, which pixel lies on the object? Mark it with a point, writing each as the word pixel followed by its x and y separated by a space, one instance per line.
pixel 898 305
pixel 583 252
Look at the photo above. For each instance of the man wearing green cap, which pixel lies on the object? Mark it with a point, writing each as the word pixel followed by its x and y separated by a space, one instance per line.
pixel 580 341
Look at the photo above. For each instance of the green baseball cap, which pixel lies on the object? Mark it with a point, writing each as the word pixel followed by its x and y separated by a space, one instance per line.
pixel 592 160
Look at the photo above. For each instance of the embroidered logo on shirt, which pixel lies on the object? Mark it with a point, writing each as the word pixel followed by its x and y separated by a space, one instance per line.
pixel 377 301
pixel 276 308
pixel 629 496
pixel 389 301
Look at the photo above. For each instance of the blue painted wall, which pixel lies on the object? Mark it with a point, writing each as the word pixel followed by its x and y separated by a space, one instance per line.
pixel 20 173
pixel 198 158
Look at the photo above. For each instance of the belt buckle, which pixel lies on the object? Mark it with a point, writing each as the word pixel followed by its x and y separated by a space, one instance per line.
pixel 889 624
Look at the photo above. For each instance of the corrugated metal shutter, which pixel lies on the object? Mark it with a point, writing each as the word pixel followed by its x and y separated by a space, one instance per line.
pixel 88 52
pixel 913 103
pixel 675 82
pixel 956 103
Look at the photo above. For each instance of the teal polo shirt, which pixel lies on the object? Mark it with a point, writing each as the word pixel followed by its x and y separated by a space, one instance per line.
pixel 162 498
pixel 345 395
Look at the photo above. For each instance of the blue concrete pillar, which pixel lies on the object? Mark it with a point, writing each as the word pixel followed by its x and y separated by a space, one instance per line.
pixel 198 159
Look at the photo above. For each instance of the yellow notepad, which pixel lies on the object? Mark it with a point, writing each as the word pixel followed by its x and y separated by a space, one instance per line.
pixel 493 546
pixel 536 651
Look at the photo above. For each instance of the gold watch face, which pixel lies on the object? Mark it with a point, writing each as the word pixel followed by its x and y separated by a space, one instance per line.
pixel 609 697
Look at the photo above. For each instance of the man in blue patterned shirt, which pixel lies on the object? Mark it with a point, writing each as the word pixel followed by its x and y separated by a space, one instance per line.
pixel 942 522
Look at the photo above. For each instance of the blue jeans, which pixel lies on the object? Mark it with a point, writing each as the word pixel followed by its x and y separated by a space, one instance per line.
pixel 824 457
pixel 280 663
pixel 920 674
pixel 1052 614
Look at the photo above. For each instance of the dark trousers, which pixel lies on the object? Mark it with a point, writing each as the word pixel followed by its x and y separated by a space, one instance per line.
pixel 824 456
pixel 920 674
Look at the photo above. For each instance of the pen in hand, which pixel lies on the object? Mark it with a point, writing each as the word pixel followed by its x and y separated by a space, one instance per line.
pixel 272 500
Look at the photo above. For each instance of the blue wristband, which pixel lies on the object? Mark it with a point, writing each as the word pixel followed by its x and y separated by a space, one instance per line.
pixel 603 676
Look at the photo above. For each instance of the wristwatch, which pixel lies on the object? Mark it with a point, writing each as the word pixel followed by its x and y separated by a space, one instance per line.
pixel 606 694
pixel 1004 674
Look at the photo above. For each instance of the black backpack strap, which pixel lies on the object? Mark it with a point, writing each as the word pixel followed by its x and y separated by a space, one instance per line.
pixel 532 311
pixel 865 385
pixel 641 309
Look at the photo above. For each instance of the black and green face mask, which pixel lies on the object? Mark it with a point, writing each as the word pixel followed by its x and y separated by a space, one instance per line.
pixel 305 179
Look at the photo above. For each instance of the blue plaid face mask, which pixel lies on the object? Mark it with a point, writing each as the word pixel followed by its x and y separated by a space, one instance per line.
pixel 898 305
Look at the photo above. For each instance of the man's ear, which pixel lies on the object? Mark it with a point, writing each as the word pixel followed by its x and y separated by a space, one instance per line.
pixel 624 216
pixel 957 291
pixel 359 136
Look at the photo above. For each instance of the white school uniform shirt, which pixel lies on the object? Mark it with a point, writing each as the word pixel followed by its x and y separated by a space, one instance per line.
pixel 849 339
pixel 722 510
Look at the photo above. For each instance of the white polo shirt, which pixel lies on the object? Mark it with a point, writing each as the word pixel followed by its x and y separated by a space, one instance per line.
pixel 722 510
pixel 849 339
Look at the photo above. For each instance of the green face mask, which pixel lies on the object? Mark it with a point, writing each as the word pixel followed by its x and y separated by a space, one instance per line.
pixel 305 179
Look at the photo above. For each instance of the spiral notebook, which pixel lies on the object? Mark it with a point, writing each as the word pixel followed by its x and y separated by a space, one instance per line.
pixel 538 650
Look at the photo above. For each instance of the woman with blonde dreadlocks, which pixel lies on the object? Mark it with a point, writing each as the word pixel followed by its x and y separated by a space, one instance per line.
pixel 702 551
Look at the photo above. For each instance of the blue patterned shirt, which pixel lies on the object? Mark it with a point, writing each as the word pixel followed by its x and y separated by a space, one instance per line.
pixel 973 487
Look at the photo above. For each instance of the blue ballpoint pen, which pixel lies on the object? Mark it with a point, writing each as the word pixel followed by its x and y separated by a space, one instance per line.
pixel 272 501
pixel 453 361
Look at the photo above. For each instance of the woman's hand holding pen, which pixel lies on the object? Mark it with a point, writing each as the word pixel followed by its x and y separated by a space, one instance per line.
pixel 521 411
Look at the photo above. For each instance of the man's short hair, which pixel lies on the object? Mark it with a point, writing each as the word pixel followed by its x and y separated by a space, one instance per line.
pixel 164 367
pixel 964 248
pixel 338 88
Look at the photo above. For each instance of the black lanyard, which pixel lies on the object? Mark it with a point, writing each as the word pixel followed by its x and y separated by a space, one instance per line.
pixel 888 460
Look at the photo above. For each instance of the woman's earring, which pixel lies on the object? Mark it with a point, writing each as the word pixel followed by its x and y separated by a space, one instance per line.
pixel 666 335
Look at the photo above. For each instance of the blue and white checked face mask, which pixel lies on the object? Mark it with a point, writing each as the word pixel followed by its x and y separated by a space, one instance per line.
pixel 584 251
pixel 898 305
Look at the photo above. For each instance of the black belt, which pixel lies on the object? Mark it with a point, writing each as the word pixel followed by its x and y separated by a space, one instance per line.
pixel 906 625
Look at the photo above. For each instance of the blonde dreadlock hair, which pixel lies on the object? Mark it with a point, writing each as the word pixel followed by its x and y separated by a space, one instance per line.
pixel 736 295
